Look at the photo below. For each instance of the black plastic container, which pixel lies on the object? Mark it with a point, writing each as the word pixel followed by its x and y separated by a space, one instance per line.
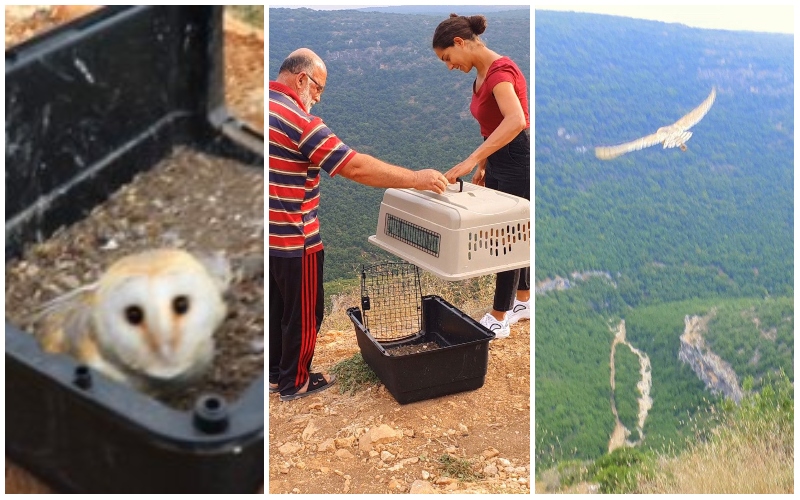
pixel 458 364
pixel 88 106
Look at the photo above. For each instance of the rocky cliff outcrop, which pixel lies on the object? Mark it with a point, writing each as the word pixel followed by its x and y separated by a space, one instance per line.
pixel 714 371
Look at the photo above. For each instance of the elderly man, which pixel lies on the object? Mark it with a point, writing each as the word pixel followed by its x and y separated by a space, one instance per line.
pixel 300 146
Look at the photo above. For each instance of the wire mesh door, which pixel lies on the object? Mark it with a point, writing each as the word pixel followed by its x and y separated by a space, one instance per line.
pixel 391 300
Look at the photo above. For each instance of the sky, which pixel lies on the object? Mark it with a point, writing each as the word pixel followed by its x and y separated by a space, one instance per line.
pixel 764 18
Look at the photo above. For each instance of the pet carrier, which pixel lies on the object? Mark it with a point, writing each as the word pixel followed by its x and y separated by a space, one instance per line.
pixel 420 347
pixel 467 231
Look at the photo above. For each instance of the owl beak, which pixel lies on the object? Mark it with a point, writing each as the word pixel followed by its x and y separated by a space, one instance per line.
pixel 166 353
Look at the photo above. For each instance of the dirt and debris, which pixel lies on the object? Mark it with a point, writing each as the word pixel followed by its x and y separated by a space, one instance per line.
pixel 404 350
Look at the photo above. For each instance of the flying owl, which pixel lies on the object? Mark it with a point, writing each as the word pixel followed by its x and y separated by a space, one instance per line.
pixel 148 321
pixel 670 136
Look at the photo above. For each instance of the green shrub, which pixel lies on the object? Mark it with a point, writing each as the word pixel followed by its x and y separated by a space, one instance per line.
pixel 617 471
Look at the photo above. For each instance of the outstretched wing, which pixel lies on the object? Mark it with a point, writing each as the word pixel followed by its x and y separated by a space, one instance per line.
pixel 674 134
pixel 610 152
pixel 691 118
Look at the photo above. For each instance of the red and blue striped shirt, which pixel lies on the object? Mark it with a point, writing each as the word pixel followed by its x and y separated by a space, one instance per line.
pixel 300 145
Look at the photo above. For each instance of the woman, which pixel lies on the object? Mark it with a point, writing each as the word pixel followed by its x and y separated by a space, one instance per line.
pixel 500 104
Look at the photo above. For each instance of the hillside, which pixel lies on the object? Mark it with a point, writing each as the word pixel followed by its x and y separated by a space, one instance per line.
pixel 389 96
pixel 750 449
pixel 662 239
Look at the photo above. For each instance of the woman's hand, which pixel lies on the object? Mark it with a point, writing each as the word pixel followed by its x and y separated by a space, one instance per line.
pixel 479 179
pixel 460 170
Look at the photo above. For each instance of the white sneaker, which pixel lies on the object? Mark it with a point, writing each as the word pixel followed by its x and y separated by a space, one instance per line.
pixel 500 329
pixel 520 310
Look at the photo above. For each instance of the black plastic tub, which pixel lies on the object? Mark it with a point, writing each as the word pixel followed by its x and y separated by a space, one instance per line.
pixel 458 364
pixel 88 106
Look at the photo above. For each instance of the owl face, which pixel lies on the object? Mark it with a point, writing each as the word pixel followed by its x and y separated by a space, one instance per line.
pixel 155 315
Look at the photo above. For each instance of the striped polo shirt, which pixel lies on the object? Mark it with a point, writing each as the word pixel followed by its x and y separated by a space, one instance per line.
pixel 300 145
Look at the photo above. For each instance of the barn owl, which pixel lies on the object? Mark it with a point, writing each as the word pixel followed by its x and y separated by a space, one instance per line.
pixel 670 136
pixel 148 321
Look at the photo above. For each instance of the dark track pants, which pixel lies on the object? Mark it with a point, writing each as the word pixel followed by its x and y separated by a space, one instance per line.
pixel 509 170
pixel 296 305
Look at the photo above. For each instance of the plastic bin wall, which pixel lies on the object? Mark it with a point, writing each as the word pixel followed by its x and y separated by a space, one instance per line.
pixel 460 363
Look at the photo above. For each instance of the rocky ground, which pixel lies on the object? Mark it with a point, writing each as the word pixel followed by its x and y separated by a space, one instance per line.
pixel 368 443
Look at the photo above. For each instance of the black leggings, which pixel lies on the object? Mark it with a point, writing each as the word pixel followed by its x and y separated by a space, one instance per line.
pixel 509 170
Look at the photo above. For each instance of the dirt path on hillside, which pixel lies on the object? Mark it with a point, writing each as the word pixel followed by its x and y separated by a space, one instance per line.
pixel 619 437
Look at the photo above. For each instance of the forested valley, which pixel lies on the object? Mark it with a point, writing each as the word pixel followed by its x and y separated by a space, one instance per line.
pixel 389 96
pixel 658 236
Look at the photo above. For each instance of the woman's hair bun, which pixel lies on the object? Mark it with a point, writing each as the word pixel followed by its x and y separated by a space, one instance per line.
pixel 477 24
pixel 465 27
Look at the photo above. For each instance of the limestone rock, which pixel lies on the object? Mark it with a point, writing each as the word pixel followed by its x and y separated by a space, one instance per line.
pixel 423 487
pixel 290 448
pixel 396 485
pixel 715 372
pixel 346 442
pixel 327 445
pixel 381 434
pixel 309 431
pixel 344 454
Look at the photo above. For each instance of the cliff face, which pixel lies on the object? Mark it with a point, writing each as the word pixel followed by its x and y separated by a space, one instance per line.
pixel 550 285
pixel 558 283
pixel 715 372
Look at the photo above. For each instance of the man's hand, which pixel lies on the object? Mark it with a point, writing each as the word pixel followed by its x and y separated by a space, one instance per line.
pixel 370 171
pixel 431 180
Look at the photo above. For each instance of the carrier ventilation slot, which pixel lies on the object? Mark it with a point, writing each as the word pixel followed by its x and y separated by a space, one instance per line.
pixel 497 240
pixel 412 234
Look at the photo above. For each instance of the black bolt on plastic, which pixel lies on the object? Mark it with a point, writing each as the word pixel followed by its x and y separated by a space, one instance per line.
pixel 83 377
pixel 211 414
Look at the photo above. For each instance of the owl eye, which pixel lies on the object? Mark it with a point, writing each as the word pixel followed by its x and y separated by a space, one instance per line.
pixel 180 304
pixel 134 315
